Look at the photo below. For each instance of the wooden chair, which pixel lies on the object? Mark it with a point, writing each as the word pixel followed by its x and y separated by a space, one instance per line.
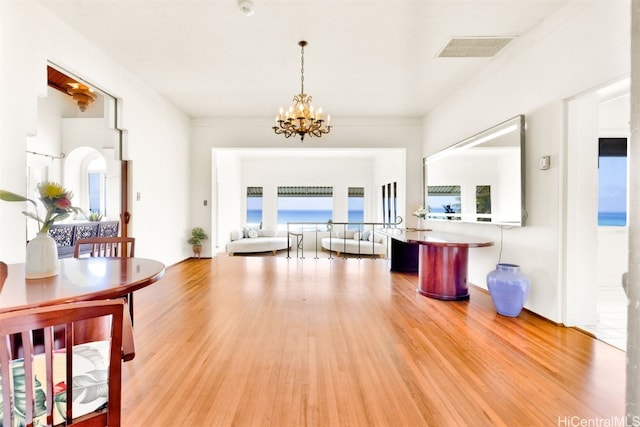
pixel 123 247
pixel 47 400
pixel 3 273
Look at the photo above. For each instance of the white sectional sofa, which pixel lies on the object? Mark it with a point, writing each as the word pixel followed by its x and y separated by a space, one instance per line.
pixel 254 240
pixel 365 243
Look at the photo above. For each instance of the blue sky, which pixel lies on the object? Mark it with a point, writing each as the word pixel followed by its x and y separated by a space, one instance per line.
pixel 612 184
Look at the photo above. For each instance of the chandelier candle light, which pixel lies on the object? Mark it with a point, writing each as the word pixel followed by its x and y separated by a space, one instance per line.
pixel 300 118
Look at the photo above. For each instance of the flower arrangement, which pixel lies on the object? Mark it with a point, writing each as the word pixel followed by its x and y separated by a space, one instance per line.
pixel 421 212
pixel 56 200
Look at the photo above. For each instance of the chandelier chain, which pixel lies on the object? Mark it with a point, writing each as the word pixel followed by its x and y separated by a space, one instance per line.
pixel 302 69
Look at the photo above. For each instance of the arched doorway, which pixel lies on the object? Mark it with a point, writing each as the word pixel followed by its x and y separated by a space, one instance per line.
pixel 94 178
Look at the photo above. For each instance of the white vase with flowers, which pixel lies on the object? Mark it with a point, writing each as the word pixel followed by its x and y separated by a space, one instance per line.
pixel 42 251
pixel 421 214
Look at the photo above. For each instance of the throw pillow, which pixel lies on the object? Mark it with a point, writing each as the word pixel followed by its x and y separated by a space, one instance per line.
pixel 340 234
pixel 357 235
pixel 267 233
pixel 366 234
pixel 376 238
pixel 253 233
pixel 236 235
pixel 245 232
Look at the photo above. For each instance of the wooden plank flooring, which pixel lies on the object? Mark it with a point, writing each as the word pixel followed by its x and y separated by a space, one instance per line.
pixel 266 341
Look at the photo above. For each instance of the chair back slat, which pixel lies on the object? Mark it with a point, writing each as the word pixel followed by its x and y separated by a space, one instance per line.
pixel 7 395
pixel 48 351
pixel 27 345
pixel 105 247
pixel 44 368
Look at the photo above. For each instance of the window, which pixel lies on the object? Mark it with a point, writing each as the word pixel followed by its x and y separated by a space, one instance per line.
pixel 612 182
pixel 390 203
pixel 355 205
pixel 97 185
pixel 483 203
pixel 254 206
pixel 443 202
pixel 96 192
pixel 304 204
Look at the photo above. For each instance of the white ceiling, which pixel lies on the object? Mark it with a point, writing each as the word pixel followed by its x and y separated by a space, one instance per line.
pixel 364 58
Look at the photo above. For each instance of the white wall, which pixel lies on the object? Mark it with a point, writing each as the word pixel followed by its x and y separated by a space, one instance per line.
pixel 208 134
pixel 157 134
pixel 581 47
pixel 226 199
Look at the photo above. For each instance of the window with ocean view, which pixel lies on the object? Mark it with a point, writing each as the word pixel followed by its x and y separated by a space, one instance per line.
pixel 612 182
pixel 304 204
pixel 254 206
pixel 443 201
pixel 355 206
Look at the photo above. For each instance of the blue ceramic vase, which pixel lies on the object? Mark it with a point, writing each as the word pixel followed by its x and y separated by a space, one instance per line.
pixel 509 289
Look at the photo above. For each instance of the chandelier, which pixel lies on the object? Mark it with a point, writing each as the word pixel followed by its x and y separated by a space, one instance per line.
pixel 300 118
pixel 82 94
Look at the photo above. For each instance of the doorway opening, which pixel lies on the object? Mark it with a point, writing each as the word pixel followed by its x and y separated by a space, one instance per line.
pixel 596 226
pixel 79 145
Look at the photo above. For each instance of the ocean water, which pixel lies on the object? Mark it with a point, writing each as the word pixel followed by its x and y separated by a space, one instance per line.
pixel 612 219
pixel 284 216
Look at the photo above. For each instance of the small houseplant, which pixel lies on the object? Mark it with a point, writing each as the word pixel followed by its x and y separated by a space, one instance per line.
pixel 95 216
pixel 197 236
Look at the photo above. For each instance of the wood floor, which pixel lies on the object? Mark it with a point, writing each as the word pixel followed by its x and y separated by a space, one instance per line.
pixel 266 341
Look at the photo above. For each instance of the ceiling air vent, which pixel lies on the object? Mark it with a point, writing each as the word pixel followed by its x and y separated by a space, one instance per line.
pixel 474 47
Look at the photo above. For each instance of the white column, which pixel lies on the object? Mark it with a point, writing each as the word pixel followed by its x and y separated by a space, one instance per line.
pixel 633 288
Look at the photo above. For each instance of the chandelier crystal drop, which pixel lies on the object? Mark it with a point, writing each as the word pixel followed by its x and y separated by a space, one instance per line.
pixel 301 118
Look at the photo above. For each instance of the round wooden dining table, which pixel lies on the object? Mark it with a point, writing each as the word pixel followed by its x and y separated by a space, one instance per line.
pixel 81 279
pixel 78 279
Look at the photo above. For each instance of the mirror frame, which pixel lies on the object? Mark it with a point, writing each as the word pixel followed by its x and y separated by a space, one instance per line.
pixel 479 138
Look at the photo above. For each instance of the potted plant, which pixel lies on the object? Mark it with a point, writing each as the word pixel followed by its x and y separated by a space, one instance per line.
pixel 197 236
pixel 94 216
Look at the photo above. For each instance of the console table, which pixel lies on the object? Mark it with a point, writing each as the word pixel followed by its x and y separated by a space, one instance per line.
pixel 442 261
pixel 66 233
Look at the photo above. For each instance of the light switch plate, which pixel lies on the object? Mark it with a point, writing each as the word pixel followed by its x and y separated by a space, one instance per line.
pixel 545 162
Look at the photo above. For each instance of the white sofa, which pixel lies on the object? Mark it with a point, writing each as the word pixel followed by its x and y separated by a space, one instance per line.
pixel 365 243
pixel 255 240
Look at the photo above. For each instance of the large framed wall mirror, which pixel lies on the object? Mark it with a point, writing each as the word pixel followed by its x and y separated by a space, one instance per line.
pixel 479 179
